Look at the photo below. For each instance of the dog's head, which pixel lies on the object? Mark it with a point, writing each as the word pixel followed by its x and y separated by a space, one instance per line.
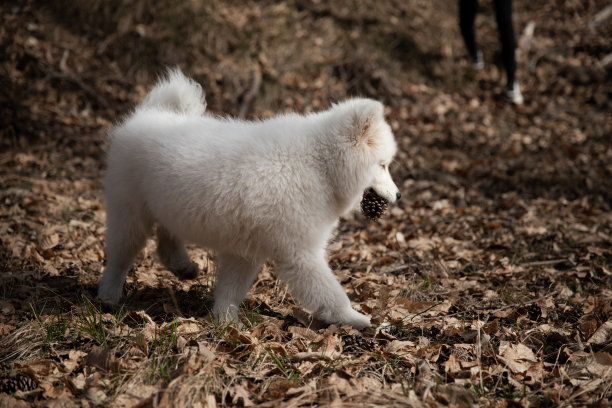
pixel 382 183
pixel 374 139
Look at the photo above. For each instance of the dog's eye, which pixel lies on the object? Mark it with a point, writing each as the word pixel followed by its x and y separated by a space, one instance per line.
pixel 384 166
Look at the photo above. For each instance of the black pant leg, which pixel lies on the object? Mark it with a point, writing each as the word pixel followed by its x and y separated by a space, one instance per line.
pixel 503 15
pixel 467 14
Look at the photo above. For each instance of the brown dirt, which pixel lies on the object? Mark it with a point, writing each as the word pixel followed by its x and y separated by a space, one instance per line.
pixel 490 281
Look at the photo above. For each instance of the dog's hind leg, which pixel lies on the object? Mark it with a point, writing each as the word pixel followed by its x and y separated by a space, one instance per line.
pixel 173 255
pixel 234 278
pixel 125 237
pixel 316 288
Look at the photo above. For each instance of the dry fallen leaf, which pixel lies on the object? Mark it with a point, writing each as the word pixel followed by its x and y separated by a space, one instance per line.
pixel 452 365
pixel 517 357
pixel 603 335
pixel 240 394
pixel 102 358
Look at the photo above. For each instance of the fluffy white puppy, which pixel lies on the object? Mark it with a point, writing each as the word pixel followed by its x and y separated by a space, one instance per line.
pixel 271 189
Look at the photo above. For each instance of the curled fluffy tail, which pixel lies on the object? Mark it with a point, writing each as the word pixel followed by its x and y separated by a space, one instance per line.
pixel 178 93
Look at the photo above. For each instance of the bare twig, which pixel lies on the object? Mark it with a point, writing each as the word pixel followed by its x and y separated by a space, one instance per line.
pixel 310 355
pixel 478 355
pixel 601 16
pixel 251 93
pixel 606 61
pixel 527 37
pixel 78 82
pixel 425 311
pixel 547 263
pixel 480 309
pixel 174 302
pixel 393 270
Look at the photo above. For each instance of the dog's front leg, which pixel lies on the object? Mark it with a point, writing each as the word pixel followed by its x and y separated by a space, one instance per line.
pixel 234 278
pixel 313 284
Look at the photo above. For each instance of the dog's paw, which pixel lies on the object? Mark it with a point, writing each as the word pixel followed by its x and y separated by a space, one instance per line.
pixel 190 271
pixel 355 319
pixel 346 317
pixel 225 314
pixel 109 297
pixel 110 288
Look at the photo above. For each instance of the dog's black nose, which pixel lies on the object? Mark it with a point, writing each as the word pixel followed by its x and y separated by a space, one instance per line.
pixel 398 195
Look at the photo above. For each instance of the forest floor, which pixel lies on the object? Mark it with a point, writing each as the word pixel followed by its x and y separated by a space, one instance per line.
pixel 490 283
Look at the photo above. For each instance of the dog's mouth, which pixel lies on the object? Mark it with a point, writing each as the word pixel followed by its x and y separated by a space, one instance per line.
pixel 372 205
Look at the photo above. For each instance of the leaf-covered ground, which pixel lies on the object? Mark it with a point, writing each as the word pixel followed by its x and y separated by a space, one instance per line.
pixel 490 283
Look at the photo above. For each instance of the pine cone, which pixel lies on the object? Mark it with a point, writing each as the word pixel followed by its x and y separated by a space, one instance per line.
pixel 17 382
pixel 355 343
pixel 373 205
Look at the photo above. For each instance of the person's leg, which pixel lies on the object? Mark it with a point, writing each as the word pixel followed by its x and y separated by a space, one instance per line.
pixel 467 15
pixel 503 15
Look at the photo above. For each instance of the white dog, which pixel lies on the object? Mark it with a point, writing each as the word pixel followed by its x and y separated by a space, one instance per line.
pixel 249 190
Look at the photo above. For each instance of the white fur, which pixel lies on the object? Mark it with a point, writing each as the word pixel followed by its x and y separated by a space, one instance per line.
pixel 249 190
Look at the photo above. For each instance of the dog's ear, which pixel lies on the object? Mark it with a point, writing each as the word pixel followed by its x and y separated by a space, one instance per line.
pixel 367 115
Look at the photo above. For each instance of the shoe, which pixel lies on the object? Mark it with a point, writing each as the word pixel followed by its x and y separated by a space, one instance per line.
pixel 513 93
pixel 478 62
